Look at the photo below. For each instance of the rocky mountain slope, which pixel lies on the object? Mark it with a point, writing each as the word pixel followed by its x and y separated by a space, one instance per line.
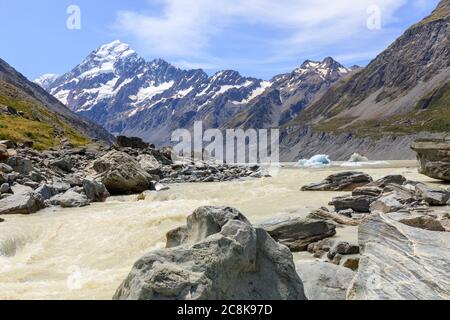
pixel 128 95
pixel 402 94
pixel 29 114
pixel 289 94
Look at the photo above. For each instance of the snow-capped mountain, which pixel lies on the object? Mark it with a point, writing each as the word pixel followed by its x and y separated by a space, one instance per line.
pixel 128 95
pixel 289 94
pixel 46 80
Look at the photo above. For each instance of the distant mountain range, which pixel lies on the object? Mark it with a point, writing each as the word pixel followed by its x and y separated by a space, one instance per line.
pixel 130 96
pixel 321 107
pixel 29 113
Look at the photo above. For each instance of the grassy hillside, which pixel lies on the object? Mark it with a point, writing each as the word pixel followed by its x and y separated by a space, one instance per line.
pixel 431 114
pixel 37 124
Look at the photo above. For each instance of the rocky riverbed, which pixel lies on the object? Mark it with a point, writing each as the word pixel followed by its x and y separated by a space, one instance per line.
pixel 88 252
pixel 76 177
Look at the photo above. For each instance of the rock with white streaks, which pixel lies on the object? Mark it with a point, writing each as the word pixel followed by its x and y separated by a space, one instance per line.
pixel 401 262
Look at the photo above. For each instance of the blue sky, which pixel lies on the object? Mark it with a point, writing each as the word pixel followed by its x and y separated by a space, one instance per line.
pixel 259 38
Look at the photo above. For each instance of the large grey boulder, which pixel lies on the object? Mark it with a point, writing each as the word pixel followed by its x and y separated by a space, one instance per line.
pixel 94 190
pixel 401 262
pixel 64 163
pixel 121 173
pixel 221 257
pixel 21 203
pixel 323 280
pixel 297 233
pixel 20 164
pixel 70 199
pixel 343 181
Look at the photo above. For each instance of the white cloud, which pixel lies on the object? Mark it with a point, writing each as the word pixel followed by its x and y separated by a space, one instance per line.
pixel 187 30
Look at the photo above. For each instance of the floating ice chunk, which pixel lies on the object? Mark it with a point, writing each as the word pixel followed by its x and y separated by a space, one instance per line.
pixel 320 160
pixel 356 157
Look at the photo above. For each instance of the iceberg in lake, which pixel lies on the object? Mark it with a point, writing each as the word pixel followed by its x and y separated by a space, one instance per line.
pixel 320 160
pixel 356 157
pixel 357 160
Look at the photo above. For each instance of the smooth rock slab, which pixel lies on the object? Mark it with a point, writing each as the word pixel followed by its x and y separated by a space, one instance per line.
pixel 297 233
pixel 356 203
pixel 344 181
pixel 222 257
pixel 323 280
pixel 401 262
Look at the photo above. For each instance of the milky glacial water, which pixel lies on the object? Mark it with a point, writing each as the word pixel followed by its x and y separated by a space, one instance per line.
pixel 85 253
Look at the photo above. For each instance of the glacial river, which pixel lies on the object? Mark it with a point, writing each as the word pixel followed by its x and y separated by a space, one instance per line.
pixel 85 253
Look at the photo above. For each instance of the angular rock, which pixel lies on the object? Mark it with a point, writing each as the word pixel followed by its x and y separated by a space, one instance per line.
pixel 342 248
pixel 223 258
pixel 70 199
pixel 344 181
pixel 60 185
pixel 46 191
pixel 20 164
pixel 388 203
pixel 399 262
pixel 323 280
pixel 356 203
pixel 64 164
pixel 94 190
pixel 21 203
pixel 391 179
pixel 121 173
pixel 37 177
pixel 433 196
pixel 297 233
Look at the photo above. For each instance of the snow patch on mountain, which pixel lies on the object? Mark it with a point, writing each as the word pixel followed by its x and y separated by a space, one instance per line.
pixel 46 80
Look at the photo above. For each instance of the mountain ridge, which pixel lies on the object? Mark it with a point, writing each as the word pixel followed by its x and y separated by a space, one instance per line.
pixel 118 89
pixel 404 91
